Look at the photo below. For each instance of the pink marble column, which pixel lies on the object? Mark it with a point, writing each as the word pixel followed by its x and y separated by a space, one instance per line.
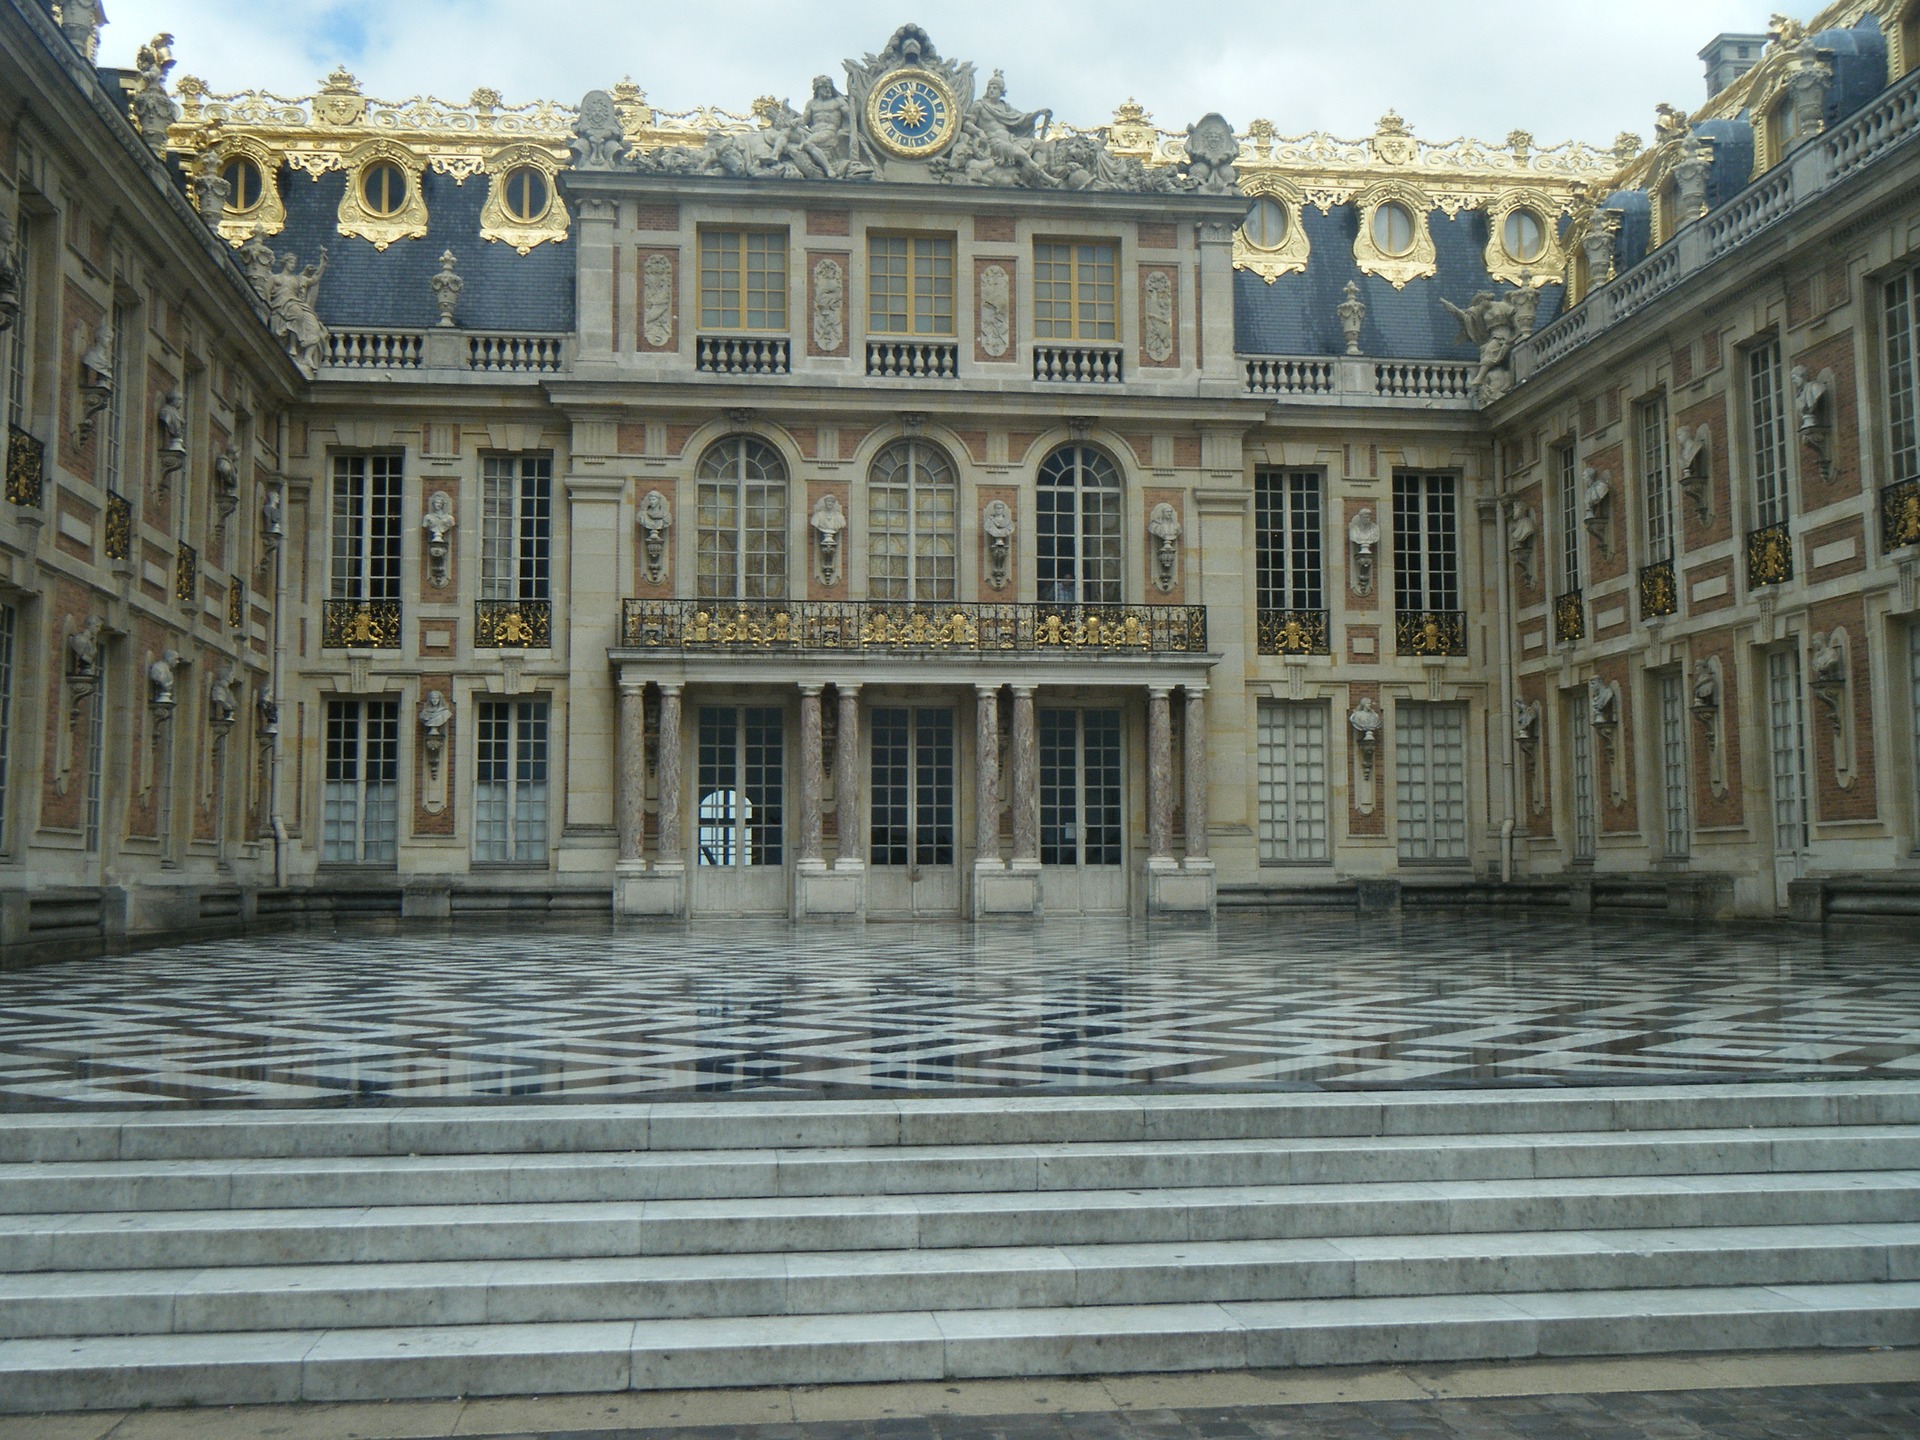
pixel 1159 773
pixel 630 746
pixel 1196 758
pixel 812 774
pixel 1026 778
pixel 669 852
pixel 986 790
pixel 846 780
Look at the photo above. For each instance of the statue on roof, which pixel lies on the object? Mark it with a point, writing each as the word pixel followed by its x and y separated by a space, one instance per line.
pixel 150 107
pixel 1495 322
pixel 292 316
pixel 598 139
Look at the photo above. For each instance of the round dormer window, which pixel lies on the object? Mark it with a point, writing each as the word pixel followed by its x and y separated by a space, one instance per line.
pixel 1265 227
pixel 383 187
pixel 1393 228
pixel 1523 236
pixel 526 193
pixel 246 186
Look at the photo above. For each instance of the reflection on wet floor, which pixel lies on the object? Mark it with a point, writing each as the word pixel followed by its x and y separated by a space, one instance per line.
pixel 604 1014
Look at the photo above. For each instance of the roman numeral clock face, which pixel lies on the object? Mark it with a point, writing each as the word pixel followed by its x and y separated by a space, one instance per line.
pixel 910 114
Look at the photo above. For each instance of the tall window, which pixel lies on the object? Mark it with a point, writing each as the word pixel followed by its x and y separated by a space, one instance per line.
pixel 360 810
pixel 911 808
pixel 510 786
pixel 1426 560
pixel 1081 820
pixel 1430 765
pixel 1903 382
pixel 366 527
pixel 1767 414
pixel 1656 479
pixel 9 619
pixel 1787 732
pixel 742 784
pixel 1293 782
pixel 94 796
pixel 741 544
pixel 19 336
pixel 1673 766
pixel 1286 512
pixel 1077 528
pixel 1075 291
pixel 1567 492
pixel 1580 753
pixel 912 498
pixel 910 284
pixel 124 379
pixel 516 523
pixel 743 279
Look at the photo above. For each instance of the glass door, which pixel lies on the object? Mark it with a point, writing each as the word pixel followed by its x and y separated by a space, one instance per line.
pixel 911 856
pixel 1082 811
pixel 739 864
pixel 1787 736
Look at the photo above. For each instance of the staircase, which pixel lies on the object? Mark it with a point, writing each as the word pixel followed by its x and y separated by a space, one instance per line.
pixel 232 1257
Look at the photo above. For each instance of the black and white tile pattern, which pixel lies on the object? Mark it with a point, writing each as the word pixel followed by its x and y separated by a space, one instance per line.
pixel 728 1006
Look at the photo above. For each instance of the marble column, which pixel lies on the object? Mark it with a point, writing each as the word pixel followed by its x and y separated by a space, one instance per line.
pixel 669 852
pixel 630 805
pixel 1159 773
pixel 986 791
pixel 1026 778
pixel 812 775
pixel 1196 758
pixel 846 780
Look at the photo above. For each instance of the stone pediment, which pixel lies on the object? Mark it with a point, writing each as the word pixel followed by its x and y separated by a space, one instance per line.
pixel 909 114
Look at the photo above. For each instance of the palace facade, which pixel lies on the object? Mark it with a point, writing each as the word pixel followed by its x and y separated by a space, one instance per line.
pixel 913 505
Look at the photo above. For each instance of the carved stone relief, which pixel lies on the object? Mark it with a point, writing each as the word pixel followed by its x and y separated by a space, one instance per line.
pixel 1709 693
pixel 438 524
pixel 1363 536
pixel 656 302
pixel 655 519
pixel 1596 508
pixel 1157 316
pixel 829 305
pixel 1830 660
pixel 996 524
pixel 1696 469
pixel 828 523
pixel 996 311
pixel 1523 534
pixel 1163 525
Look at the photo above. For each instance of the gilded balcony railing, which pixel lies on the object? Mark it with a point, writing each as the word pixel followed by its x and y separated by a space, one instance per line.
pixel 1569 618
pixel 1769 556
pixel 360 625
pixel 186 574
pixel 1900 515
pixel 731 627
pixel 26 467
pixel 119 527
pixel 1659 591
pixel 1291 632
pixel 1430 632
pixel 512 624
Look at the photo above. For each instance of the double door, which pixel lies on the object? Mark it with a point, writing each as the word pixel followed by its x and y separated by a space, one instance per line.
pixel 1083 817
pixel 912 817
pixel 740 847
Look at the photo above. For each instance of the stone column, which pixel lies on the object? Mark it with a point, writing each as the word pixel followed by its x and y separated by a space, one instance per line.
pixel 669 853
pixel 852 854
pixel 1026 779
pixel 1159 773
pixel 630 744
pixel 986 733
pixel 1196 759
pixel 812 775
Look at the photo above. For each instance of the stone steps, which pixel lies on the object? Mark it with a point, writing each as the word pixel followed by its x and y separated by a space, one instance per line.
pixel 225 1257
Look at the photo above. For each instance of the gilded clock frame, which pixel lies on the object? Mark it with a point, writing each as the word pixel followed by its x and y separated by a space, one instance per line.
pixel 878 133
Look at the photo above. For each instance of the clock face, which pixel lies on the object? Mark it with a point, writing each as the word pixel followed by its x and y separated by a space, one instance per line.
pixel 910 113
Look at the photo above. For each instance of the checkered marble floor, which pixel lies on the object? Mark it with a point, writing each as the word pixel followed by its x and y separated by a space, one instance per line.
pixel 601 1015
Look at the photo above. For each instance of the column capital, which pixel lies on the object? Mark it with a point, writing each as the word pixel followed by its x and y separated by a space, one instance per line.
pixel 1026 690
pixel 672 687
pixel 1159 692
pixel 847 687
pixel 1193 690
pixel 630 686
pixel 986 691
pixel 812 687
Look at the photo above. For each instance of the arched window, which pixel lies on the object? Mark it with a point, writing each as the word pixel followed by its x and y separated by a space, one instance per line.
pixel 1783 130
pixel 911 500
pixel 742 527
pixel 1077 528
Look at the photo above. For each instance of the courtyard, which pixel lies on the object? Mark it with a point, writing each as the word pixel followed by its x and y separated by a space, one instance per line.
pixel 592 1014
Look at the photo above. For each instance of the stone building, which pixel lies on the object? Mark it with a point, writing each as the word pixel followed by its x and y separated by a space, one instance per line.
pixel 911 504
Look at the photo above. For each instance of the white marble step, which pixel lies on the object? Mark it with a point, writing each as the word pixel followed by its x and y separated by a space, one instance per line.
pixel 408 1233
pixel 320 1297
pixel 1028 1119
pixel 213 1184
pixel 405 1363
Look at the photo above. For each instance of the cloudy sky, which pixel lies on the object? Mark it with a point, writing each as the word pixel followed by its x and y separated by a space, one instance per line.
pixel 1451 67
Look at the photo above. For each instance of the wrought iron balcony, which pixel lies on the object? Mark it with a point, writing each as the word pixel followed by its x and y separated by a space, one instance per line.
pixel 1900 515
pixel 119 527
pixel 186 575
pixel 1659 591
pixel 1569 618
pixel 743 354
pixel 26 467
pixel 360 625
pixel 734 627
pixel 512 624
pixel 913 359
pixel 1291 632
pixel 1430 632
pixel 1769 556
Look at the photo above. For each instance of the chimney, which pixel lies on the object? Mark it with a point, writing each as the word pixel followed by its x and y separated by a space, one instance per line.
pixel 1730 56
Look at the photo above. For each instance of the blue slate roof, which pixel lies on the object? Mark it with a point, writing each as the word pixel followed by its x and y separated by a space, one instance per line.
pixel 504 290
pixel 1732 166
pixel 1859 58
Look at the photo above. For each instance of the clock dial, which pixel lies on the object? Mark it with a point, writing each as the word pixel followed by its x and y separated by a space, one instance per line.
pixel 911 114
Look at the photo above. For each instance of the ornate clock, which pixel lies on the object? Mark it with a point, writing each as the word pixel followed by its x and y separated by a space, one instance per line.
pixel 911 113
